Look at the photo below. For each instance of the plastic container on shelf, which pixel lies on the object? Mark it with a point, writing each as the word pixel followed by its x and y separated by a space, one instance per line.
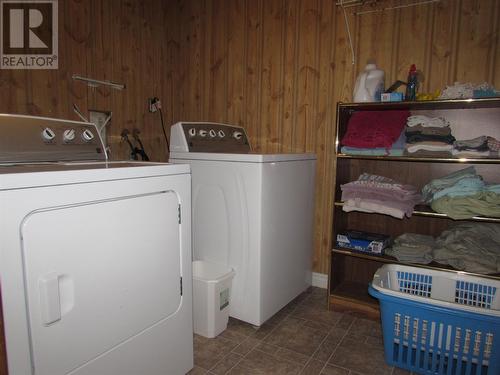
pixel 412 84
pixel 439 322
pixel 211 297
pixel 369 84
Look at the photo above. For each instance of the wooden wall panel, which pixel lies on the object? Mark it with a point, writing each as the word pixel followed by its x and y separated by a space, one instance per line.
pixel 276 67
pixel 291 61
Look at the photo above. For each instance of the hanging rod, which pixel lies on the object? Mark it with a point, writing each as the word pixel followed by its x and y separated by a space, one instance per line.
pixel 397 7
pixel 355 3
pixel 95 82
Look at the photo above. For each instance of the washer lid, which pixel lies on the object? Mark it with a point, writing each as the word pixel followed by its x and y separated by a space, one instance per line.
pixel 248 158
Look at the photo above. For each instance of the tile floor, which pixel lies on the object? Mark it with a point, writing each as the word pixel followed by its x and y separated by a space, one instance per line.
pixel 303 338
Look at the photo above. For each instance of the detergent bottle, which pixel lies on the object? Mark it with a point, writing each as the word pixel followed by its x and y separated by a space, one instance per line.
pixel 369 84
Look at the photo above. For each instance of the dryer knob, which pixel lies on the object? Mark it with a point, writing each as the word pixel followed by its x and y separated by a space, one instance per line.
pixel 212 133
pixel 202 133
pixel 48 134
pixel 69 135
pixel 87 135
pixel 192 132
pixel 237 135
pixel 221 134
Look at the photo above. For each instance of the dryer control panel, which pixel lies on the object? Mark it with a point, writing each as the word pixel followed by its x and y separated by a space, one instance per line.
pixel 26 139
pixel 209 137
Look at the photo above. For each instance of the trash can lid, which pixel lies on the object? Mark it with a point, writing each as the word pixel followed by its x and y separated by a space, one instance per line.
pixel 208 271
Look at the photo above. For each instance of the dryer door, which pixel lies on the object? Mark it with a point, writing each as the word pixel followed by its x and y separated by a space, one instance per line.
pixel 98 274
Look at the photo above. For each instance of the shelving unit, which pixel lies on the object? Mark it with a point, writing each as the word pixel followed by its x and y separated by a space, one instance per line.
pixel 350 272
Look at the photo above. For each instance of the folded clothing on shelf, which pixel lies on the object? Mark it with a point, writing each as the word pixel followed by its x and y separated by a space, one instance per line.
pixel 429 146
pixel 378 194
pixel 427 122
pixel 447 181
pixel 484 203
pixel 483 146
pixel 427 130
pixel 462 195
pixel 471 247
pixel 371 129
pixel 396 149
pixel 412 248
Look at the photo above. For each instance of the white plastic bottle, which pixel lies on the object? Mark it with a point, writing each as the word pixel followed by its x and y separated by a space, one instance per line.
pixel 369 84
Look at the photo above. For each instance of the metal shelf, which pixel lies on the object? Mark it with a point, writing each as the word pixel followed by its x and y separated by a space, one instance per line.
pixel 421 159
pixel 389 259
pixel 422 210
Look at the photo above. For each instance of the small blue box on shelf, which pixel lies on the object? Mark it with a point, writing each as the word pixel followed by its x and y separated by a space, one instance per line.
pixel 392 97
pixel 372 243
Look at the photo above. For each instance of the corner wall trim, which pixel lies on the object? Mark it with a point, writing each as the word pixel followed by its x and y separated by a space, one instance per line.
pixel 319 280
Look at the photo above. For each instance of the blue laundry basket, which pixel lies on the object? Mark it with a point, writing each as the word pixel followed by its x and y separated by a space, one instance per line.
pixel 439 322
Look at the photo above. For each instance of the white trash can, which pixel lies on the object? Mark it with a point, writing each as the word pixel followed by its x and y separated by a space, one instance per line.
pixel 211 296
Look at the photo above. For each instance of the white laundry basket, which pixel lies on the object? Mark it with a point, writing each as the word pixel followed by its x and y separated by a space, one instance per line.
pixel 211 297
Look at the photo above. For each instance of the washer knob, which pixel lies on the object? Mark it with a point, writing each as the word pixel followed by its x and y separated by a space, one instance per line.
pixel 212 133
pixel 221 134
pixel 69 135
pixel 192 132
pixel 48 134
pixel 87 135
pixel 202 133
pixel 237 135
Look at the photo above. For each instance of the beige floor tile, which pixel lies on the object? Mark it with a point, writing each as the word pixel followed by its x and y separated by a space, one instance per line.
pixel 226 364
pixel 328 346
pixel 197 371
pixel 334 370
pixel 207 352
pixel 246 346
pixel 259 363
pixel 292 356
pixel 364 327
pixel 267 348
pixel 319 315
pixel 360 357
pixel 313 367
pixel 242 328
pixel 292 334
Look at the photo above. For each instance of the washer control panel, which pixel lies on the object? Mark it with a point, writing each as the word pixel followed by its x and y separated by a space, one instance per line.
pixel 40 139
pixel 210 137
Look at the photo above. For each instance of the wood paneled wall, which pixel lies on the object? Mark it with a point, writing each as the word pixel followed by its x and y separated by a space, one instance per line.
pixel 277 67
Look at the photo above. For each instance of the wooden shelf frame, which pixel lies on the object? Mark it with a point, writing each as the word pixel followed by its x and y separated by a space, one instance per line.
pixel 351 271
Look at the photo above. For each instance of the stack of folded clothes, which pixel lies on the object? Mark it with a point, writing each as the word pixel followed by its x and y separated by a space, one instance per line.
pixel 428 137
pixel 471 247
pixel 413 248
pixel 462 195
pixel 378 194
pixel 478 147
pixel 375 133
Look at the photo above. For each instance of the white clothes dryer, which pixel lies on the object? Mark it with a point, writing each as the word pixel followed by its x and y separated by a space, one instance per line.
pixel 252 212
pixel 95 256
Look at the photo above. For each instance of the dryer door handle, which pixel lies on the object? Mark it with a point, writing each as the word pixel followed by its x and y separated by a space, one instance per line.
pixel 50 301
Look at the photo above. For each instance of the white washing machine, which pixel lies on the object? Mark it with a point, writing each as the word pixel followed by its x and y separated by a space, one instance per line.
pixel 253 212
pixel 95 256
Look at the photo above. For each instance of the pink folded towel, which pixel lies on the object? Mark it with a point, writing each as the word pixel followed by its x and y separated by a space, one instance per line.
pixel 370 129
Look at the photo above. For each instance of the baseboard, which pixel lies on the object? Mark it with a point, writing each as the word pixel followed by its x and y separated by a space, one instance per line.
pixel 319 280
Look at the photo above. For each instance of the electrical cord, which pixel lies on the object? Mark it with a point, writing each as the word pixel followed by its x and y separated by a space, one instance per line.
pixel 164 132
